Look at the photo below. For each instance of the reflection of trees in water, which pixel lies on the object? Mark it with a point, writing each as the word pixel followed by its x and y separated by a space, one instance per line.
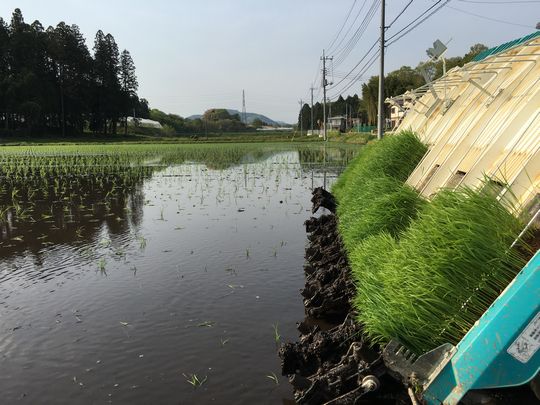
pixel 324 158
pixel 68 199
pixel 220 157
pixel 43 211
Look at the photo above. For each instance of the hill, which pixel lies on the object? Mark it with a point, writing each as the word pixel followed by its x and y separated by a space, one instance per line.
pixel 250 118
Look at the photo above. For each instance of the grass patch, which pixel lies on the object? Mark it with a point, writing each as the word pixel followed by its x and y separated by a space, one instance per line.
pixel 432 285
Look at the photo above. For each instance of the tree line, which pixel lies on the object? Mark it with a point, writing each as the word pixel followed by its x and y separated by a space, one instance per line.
pixel 215 120
pixel 395 83
pixel 50 82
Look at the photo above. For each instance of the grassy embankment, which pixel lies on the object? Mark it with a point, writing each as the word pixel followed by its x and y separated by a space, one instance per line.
pixel 424 271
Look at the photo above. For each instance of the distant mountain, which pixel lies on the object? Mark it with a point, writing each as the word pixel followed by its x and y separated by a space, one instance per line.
pixel 250 118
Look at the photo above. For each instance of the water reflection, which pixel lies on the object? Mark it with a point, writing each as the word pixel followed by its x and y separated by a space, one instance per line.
pixel 43 204
pixel 67 210
pixel 209 236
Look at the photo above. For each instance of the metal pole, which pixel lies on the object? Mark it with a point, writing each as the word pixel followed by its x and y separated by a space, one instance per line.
pixel 346 117
pixel 329 110
pixel 381 120
pixel 311 88
pixel 244 114
pixel 324 93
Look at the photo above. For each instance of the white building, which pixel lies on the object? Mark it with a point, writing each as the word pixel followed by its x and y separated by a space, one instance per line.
pixel 143 122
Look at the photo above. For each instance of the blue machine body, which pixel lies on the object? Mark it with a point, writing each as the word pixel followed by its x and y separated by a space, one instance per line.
pixel 501 350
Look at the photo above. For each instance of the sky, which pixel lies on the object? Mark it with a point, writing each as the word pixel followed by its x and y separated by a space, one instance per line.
pixel 194 55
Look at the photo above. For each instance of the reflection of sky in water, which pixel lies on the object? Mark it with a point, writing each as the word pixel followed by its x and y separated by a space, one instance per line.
pixel 190 258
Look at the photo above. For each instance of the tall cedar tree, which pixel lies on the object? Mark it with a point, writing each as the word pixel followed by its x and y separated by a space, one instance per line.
pixel 129 85
pixel 51 84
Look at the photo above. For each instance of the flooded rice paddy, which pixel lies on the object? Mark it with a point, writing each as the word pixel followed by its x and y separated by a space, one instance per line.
pixel 153 274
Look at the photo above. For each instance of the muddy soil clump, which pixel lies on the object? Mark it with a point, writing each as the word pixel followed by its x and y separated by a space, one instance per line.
pixel 333 366
pixel 329 287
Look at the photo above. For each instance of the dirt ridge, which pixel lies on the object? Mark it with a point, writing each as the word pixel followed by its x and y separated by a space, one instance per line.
pixel 329 366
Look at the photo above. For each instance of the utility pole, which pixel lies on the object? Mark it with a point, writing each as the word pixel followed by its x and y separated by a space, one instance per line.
pixel 301 116
pixel 329 109
pixel 244 114
pixel 381 120
pixel 312 88
pixel 324 84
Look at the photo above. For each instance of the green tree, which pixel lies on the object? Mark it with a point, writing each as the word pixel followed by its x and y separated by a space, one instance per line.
pixel 4 72
pixel 50 82
pixel 129 85
pixel 70 67
pixel 370 92
pixel 142 108
pixel 304 117
pixel 216 114
pixel 257 123
pixel 400 80
pixel 317 115
pixel 107 84
pixel 473 51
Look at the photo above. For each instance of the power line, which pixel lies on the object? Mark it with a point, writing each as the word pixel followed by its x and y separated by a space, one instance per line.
pixel 499 2
pixel 349 43
pixel 350 27
pixel 355 66
pixel 359 75
pixel 342 26
pixel 315 79
pixel 349 46
pixel 318 72
pixel 492 19
pixel 417 21
pixel 399 15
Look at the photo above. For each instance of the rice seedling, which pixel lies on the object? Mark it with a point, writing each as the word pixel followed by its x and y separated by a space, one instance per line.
pixel 102 265
pixel 142 242
pixel 383 204
pixel 223 342
pixel 432 285
pixel 195 380
pixel 394 156
pixel 277 336
pixel 273 377
pixel 371 192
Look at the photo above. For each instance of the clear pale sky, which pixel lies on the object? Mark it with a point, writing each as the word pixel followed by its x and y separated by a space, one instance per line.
pixel 194 55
